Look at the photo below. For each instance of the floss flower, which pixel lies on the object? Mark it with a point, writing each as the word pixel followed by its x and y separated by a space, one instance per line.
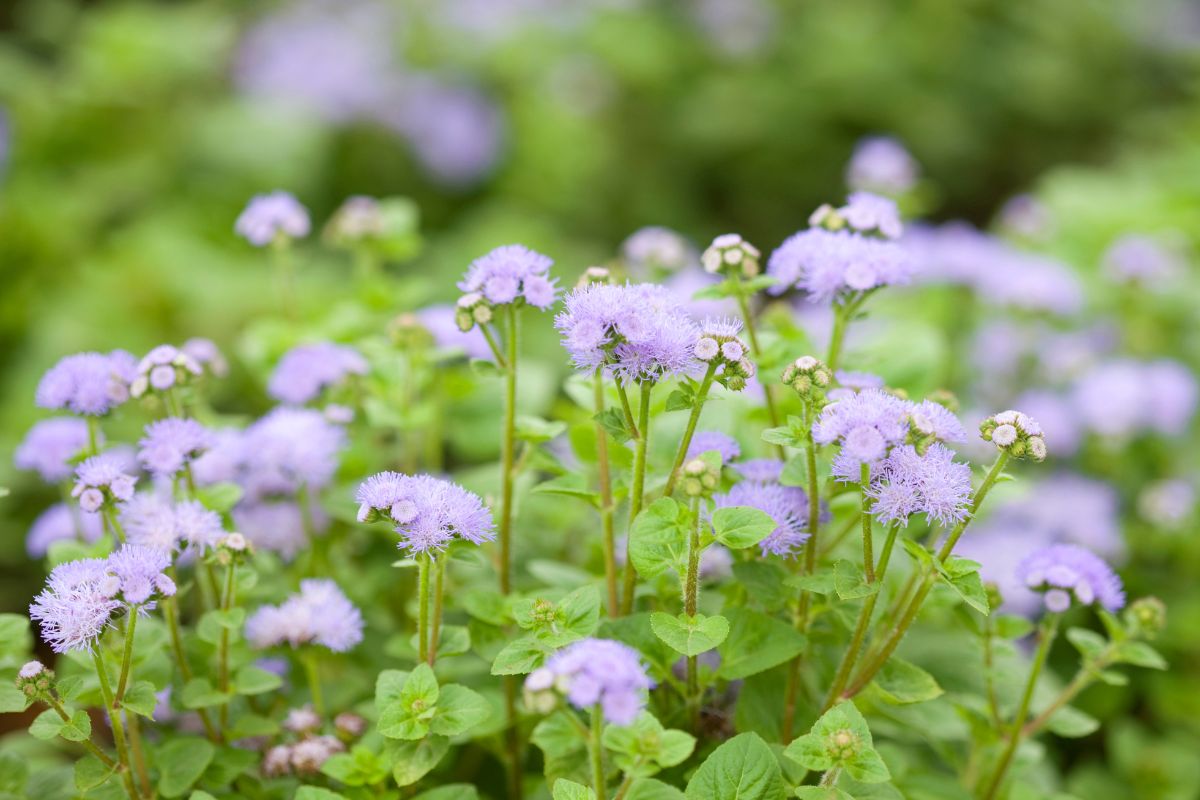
pixel 50 446
pixel 654 248
pixel 1016 433
pixel 866 425
pixel 636 331
pixel 102 479
pixel 206 353
pixel 508 274
pixel 720 348
pixel 164 368
pixel 91 384
pixel 74 610
pixel 428 512
pixel 171 444
pixel 596 671
pixel 320 614
pixel 882 164
pixel 730 254
pixel 268 218
pixel 61 523
pixel 287 449
pixel 305 371
pixel 724 444
pixel 832 266
pixel 151 520
pixel 1065 571
pixel 932 484
pixel 786 505
pixel 137 573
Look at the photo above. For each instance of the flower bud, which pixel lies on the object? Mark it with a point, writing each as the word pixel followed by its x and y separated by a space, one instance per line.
pixel 1016 433
pixel 594 275
pixel 808 377
pixel 34 679
pixel 730 254
pixel 349 725
pixel 1146 616
pixel 842 745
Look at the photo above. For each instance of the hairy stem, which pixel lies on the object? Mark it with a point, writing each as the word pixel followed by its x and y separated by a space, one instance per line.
pixel 508 439
pixel 118 729
pixel 690 430
pixel 596 751
pixel 752 334
pixel 691 599
pixel 637 493
pixel 606 499
pixel 91 747
pixel 223 646
pixel 423 607
pixel 435 625
pixel 126 654
pixel 312 671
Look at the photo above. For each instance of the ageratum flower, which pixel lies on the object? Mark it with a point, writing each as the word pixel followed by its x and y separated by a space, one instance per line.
pixel 724 444
pixel 869 213
pixel 102 479
pixel 597 671
pixel 1016 433
pixel 152 520
pixel 635 331
pixel 866 426
pixel 60 523
pixel 511 273
pixel 882 164
pixel 849 383
pixel 428 512
pixel 272 217
pixel 206 353
pixel 439 321
pixel 933 484
pixel 171 444
pixel 786 505
pixel 730 254
pixel 931 422
pixel 277 526
pixel 1063 571
pixel 320 614
pixel 761 470
pixel 50 446
pixel 91 384
pixel 1141 259
pixel 305 371
pixel 653 248
pixel 137 573
pixel 74 610
pixel 719 347
pixel 1124 397
pixel 287 449
pixel 831 266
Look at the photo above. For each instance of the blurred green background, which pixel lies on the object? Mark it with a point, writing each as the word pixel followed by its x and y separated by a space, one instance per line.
pixel 132 134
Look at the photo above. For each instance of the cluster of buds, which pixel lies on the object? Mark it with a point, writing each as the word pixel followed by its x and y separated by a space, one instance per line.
pixel 358 218
pixel 162 369
pixel 206 353
pixel 841 745
pixel 543 689
pixel 232 548
pixel 35 680
pixel 408 333
pixel 472 309
pixel 101 481
pixel 808 377
pixel 699 478
pixel 1146 617
pixel 864 213
pixel 720 347
pixel 312 749
pixel 1015 433
pixel 730 254
pixel 594 275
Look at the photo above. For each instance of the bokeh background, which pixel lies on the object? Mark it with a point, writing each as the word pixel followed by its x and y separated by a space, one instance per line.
pixel 132 134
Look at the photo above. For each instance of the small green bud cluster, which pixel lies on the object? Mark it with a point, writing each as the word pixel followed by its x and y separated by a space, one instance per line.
pixel 1146 616
pixel 472 309
pixel 722 347
pixel 730 254
pixel 1015 433
pixel 808 377
pixel 232 548
pixel 841 745
pixel 699 478
pixel 594 275
pixel 35 680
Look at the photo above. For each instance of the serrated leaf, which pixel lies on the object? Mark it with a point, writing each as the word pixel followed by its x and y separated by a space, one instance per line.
pixel 659 539
pixel 570 790
pixel 140 698
pixel 689 635
pixel 849 581
pixel 181 762
pixel 199 693
pixel 459 709
pixel 520 656
pixel 743 768
pixel 756 642
pixel 251 680
pixel 412 761
pixel 962 575
pixel 901 682
pixel 738 527
pixel 46 725
pixel 90 772
pixel 613 422
pixel 653 789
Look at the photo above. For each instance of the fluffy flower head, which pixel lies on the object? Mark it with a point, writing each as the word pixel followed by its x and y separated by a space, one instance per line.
pixel 73 610
pixel 91 384
pixel 832 265
pixel 602 671
pixel 428 512
pixel 102 479
pixel 172 443
pixel 269 217
pixel 305 371
pixel 49 447
pixel 932 484
pixel 1063 571
pixel 510 273
pixel 320 614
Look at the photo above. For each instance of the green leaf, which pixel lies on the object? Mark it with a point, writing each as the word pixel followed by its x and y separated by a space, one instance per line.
pixel 765 583
pixel 1071 723
pixel 821 793
pixel 569 485
pixel 16 637
pixel 682 399
pixel 12 698
pixel 14 773
pixel 46 725
pixel 962 575
pixel 652 789
pixel 199 693
pixel 412 761
pixel 359 767
pixel 535 429
pixel 756 642
pixel 248 725
pixel 79 729
pixel 645 747
pixel 743 768
pixel 90 772
pixel 214 622
pixel 689 635
pixel 901 682
pixel 453 791
pixel 458 710
pixel 737 527
pixel 1140 654
pixel 388 684
pixel 570 790
pixel 255 680
pixel 181 762
pixel 316 793
pixel 219 497
pixel 1010 626
pixel 613 422
pixel 658 541
pixel 521 656
pixel 840 738
pixel 1089 643
pixel 140 698
pixel 849 581
pixel 563 745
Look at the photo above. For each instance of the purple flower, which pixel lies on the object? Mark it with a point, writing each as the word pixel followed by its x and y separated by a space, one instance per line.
pixel 59 523
pixel 101 479
pixel 1125 397
pixel 865 425
pixel 428 512
pixel 723 443
pixel 305 371
pixel 73 610
pixel 151 520
pixel 276 526
pixel 652 249
pixel 602 671
pixel 87 383
pixel 636 331
pixel 50 446
pixel 1141 259
pixel 933 420
pixel 1168 503
pixel 171 444
pixel 222 462
pixel 761 470
pixel 511 272
pixel 832 265
pixel 870 213
pixel 163 368
pixel 932 484
pixel 1027 216
pixel 287 449
pixel 1061 571
pixel 440 322
pixel 786 505
pixel 138 573
pixel 268 217
pixel 320 614
pixel 205 353
pixel 882 164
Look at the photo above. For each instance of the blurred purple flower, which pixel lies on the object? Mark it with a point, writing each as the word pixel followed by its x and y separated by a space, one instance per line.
pixel 49 447
pixel 61 522
pixel 87 383
pixel 308 369
pixel 882 164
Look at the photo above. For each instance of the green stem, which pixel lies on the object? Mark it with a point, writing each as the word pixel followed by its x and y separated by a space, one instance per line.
pixel 423 607
pixel 864 483
pixel 138 754
pixel 693 418
pixel 435 627
pixel 596 750
pixel 1046 634
pixel 87 743
pixel 842 315
pixel 171 613
pixel 126 654
pixel 501 361
pixel 93 430
pixel 606 499
pixel 691 598
pixel 118 729
pixel 637 493
pixel 772 411
pixel 281 254
pixel 506 453
pixel 313 673
pixel 626 408
pixel 109 517
pixel 223 647
pixel 1083 679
